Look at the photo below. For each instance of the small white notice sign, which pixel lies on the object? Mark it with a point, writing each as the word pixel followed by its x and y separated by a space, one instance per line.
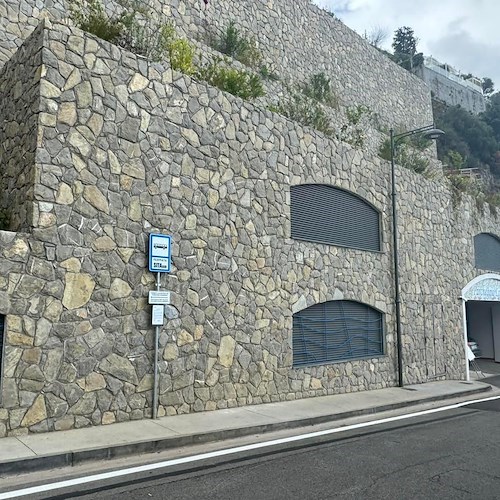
pixel 470 354
pixel 159 297
pixel 157 315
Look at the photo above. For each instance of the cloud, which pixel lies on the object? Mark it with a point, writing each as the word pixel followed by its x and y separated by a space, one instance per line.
pixel 462 33
pixel 465 53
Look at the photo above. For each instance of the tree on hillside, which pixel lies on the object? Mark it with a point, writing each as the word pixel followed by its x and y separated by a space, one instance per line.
pixel 405 48
pixel 469 135
pixel 492 115
pixel 488 86
pixel 376 36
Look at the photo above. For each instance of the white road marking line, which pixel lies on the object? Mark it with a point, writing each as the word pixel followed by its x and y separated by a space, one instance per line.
pixel 230 451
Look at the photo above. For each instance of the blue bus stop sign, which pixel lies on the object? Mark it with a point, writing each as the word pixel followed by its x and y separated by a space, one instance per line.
pixel 160 253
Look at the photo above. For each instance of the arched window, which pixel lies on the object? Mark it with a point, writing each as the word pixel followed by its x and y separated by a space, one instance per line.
pixel 337 330
pixel 326 214
pixel 487 252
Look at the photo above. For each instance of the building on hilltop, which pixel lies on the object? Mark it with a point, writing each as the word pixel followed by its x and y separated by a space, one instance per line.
pixel 450 87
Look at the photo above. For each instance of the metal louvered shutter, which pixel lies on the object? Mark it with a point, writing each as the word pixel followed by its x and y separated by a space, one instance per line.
pixel 487 252
pixel 335 331
pixel 326 214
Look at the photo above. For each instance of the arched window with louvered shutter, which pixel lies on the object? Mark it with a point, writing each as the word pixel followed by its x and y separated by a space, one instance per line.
pixel 338 330
pixel 326 214
pixel 487 252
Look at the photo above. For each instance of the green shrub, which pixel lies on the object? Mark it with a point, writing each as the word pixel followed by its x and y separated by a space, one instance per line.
pixel 493 200
pixel 235 81
pixel 352 132
pixel 412 159
pixel 404 155
pixel 460 185
pixel 239 47
pixel 454 159
pixel 408 152
pixel 355 114
pixel 146 37
pixel 385 150
pixel 305 103
pixel 182 54
pixel 267 74
pixel 318 88
pixel 133 29
pixel 303 109
pixel 90 16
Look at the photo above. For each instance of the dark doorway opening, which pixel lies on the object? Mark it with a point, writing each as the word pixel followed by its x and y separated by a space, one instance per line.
pixel 483 326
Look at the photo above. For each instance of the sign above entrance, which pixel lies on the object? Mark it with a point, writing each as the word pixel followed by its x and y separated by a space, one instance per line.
pixel 486 290
pixel 160 253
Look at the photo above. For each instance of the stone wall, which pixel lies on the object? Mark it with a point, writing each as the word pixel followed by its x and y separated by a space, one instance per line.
pixel 297 40
pixel 18 19
pixel 127 147
pixel 19 101
pixel 135 148
pixel 437 260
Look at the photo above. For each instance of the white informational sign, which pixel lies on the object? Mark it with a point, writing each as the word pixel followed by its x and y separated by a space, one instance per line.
pixel 488 290
pixel 157 316
pixel 159 253
pixel 159 297
pixel 470 354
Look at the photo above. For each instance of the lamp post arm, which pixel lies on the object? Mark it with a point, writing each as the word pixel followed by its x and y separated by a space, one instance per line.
pixel 417 131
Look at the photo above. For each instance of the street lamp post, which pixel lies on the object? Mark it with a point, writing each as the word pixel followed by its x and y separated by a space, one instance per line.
pixel 431 132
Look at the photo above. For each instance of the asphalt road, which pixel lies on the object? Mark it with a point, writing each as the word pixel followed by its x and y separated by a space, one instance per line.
pixel 450 455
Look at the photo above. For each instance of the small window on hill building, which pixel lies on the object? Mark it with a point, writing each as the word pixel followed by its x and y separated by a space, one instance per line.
pixel 326 214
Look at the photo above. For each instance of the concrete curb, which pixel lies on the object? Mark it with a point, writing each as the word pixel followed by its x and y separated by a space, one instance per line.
pixel 69 459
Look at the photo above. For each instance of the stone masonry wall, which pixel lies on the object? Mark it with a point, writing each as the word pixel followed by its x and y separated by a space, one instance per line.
pixel 436 261
pixel 297 39
pixel 135 148
pixel 18 19
pixel 127 147
pixel 19 101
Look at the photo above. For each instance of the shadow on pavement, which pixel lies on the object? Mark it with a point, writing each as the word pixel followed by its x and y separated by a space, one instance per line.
pixel 488 366
pixel 495 380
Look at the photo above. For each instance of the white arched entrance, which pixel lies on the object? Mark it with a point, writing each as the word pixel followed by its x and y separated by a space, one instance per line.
pixel 484 288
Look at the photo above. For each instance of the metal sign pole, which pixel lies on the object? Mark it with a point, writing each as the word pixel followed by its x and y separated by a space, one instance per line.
pixel 159 262
pixel 155 379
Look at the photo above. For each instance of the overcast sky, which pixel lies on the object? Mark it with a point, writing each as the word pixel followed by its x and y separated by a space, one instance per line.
pixel 463 33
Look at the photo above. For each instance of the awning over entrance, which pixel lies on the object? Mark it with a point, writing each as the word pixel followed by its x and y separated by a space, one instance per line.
pixel 484 287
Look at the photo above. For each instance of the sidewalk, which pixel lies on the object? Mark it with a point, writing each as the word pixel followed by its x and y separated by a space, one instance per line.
pixel 65 448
